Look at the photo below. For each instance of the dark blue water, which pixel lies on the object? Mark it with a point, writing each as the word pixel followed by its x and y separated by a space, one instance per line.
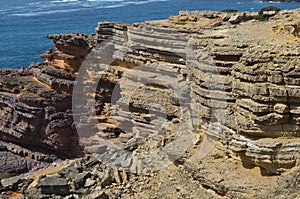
pixel 24 24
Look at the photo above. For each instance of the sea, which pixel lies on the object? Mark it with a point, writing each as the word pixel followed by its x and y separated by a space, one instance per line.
pixel 24 24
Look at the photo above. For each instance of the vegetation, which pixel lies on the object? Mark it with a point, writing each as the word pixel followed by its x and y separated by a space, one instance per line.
pixel 262 17
pixel 229 10
pixel 86 193
pixel 269 8
pixel 217 156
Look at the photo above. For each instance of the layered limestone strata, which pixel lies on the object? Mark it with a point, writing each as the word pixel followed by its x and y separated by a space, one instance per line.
pixel 130 71
pixel 148 83
pixel 36 120
pixel 240 82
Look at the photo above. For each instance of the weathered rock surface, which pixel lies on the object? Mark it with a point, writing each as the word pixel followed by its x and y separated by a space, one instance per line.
pixel 241 90
pixel 194 77
pixel 36 124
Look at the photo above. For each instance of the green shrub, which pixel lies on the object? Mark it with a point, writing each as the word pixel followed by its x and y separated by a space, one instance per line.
pixel 217 156
pixel 229 10
pixel 269 8
pixel 86 193
pixel 262 17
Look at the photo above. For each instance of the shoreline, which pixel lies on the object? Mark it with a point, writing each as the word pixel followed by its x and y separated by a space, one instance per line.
pixel 32 41
pixel 223 79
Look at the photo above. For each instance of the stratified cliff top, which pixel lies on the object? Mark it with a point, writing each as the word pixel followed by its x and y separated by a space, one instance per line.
pixel 201 104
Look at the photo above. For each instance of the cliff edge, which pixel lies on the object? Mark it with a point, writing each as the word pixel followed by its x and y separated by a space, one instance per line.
pixel 213 95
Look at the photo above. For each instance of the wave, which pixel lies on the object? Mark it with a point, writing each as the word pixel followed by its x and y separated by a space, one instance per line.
pixel 32 14
pixel 125 3
pixel 99 2
pixel 149 1
pixel 76 5
pixel 104 0
pixel 64 1
pixel 83 1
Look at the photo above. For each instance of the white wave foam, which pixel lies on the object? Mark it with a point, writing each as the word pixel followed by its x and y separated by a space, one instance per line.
pixel 64 1
pixel 84 1
pixel 34 3
pixel 150 1
pixel 31 14
pixel 126 3
pixel 104 1
pixel 274 2
pixel 44 9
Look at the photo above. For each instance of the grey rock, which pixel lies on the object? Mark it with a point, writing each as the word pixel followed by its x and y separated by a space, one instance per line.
pixel 11 183
pixel 107 180
pixel 216 24
pixel 97 195
pixel 119 161
pixel 96 149
pixel 127 163
pixel 54 185
pixel 81 178
pixel 89 182
pixel 3 197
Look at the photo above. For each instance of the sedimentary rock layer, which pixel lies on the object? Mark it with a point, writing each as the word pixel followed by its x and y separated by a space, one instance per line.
pixel 240 86
pixel 151 83
pixel 36 125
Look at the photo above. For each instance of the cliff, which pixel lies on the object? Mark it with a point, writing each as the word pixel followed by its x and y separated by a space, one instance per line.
pixel 200 101
pixel 238 83
pixel 36 102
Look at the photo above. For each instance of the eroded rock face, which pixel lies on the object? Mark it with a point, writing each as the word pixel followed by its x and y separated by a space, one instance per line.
pixel 205 75
pixel 197 71
pixel 36 120
pixel 242 85
pixel 290 25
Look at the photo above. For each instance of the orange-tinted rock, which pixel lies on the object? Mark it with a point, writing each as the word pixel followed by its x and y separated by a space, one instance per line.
pixel 36 123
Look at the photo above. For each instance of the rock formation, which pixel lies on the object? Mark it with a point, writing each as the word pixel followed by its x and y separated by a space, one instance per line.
pixel 241 90
pixel 166 88
pixel 36 119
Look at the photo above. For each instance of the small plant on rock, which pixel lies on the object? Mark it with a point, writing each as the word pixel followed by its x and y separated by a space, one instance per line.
pixel 262 17
pixel 217 156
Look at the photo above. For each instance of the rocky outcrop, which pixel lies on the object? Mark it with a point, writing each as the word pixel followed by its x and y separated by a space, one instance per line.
pixel 237 89
pixel 251 90
pixel 290 26
pixel 35 103
pixel 140 95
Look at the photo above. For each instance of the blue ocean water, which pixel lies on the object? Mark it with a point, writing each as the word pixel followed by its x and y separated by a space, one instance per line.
pixel 24 24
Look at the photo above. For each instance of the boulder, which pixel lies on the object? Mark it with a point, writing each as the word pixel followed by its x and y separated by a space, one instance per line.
pixel 54 185
pixel 235 19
